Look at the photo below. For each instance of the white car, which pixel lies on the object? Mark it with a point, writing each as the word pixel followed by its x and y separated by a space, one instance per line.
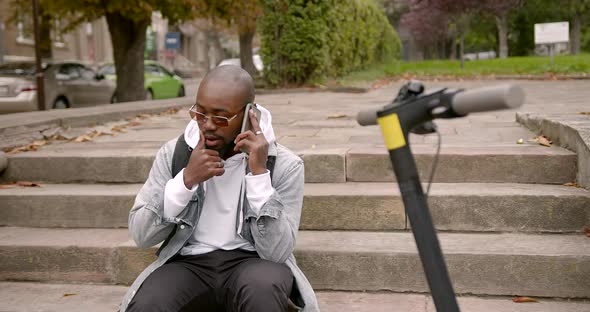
pixel 236 61
pixel 486 55
pixel 67 84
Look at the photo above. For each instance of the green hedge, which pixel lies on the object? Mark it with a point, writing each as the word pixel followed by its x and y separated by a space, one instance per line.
pixel 306 40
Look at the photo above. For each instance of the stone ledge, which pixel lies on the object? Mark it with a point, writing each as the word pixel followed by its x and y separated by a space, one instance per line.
pixel 571 131
pixel 22 128
pixel 341 89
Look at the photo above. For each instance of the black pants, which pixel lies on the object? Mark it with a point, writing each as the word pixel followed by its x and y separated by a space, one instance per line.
pixel 221 280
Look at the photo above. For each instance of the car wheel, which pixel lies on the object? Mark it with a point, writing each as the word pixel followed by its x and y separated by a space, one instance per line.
pixel 149 95
pixel 61 103
pixel 181 91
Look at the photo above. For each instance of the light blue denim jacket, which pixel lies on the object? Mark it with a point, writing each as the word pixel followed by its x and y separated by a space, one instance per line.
pixel 273 232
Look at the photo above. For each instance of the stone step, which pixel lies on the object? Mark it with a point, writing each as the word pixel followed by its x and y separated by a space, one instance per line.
pixel 502 207
pixel 93 162
pixel 484 164
pixel 481 264
pixel 30 296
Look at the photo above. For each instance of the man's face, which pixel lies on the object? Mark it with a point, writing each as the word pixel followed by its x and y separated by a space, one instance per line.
pixel 216 99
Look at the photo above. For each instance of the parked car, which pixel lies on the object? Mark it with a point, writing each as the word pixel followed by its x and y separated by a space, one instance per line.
pixel 236 61
pixel 485 55
pixel 159 83
pixel 67 84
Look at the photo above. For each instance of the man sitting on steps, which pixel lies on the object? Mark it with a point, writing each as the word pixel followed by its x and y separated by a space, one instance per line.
pixel 228 219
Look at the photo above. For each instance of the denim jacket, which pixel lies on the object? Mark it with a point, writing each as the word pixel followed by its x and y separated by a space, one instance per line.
pixel 272 232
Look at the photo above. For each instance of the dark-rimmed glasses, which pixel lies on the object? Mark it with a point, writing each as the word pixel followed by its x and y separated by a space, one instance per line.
pixel 219 121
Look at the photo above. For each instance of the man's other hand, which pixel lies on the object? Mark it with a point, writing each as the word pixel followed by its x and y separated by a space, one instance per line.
pixel 203 165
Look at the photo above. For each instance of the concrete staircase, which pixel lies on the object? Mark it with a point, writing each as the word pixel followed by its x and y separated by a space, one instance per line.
pixel 507 225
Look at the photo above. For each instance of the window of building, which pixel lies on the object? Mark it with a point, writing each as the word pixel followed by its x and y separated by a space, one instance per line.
pixel 57 35
pixel 24 27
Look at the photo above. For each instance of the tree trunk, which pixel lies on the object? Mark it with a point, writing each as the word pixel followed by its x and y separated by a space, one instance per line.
pixel 45 36
pixel 128 39
pixel 246 53
pixel 217 48
pixel 462 50
pixel 576 30
pixel 453 48
pixel 206 64
pixel 502 25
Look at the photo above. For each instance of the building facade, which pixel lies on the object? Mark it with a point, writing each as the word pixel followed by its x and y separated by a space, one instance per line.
pixel 89 43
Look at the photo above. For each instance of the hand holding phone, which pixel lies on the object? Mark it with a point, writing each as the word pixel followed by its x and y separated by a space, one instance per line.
pixel 246 124
pixel 252 141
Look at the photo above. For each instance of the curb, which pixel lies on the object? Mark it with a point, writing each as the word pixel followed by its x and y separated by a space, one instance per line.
pixel 570 131
pixel 313 90
pixel 3 161
pixel 493 77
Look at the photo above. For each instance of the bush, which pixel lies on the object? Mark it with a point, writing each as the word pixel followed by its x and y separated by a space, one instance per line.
pixel 307 40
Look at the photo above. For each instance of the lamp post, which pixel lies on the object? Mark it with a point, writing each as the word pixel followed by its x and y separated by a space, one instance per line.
pixel 38 69
pixel 1 41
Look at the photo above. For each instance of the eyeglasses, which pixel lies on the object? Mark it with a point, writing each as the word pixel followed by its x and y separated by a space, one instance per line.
pixel 219 121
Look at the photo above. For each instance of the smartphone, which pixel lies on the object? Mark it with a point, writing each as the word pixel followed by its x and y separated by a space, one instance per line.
pixel 246 124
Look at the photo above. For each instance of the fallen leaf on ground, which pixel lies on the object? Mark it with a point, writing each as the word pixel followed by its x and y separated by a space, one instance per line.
pixel 68 295
pixel 584 113
pixel 337 116
pixel 24 148
pixel 587 232
pixel 82 138
pixel 132 124
pixel 14 150
pixel 27 184
pixel 543 140
pixel 144 116
pixel 95 134
pixel 524 299
pixel 5 186
pixel 574 184
pixel 119 128
pixel 129 118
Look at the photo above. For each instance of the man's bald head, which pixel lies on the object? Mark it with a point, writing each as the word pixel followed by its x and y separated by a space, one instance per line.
pixel 224 92
pixel 230 80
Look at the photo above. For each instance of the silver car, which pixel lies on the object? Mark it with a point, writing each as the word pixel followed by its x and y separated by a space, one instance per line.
pixel 67 84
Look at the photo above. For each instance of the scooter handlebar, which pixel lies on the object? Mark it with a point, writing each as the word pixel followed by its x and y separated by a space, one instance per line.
pixel 469 101
pixel 487 99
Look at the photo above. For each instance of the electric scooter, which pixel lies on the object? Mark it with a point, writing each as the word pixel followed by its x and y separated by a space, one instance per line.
pixel 413 111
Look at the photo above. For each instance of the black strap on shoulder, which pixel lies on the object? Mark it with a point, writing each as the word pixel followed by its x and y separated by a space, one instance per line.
pixel 182 153
pixel 180 158
pixel 270 164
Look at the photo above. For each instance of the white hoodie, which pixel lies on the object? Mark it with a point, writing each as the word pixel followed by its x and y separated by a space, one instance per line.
pixel 216 228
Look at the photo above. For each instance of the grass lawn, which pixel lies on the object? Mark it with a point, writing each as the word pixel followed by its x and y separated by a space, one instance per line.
pixel 528 65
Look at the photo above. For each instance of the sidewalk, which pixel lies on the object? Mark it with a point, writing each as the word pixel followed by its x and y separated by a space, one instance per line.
pixel 305 121
pixel 508 225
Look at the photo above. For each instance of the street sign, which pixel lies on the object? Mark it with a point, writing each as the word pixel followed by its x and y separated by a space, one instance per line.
pixel 172 41
pixel 548 33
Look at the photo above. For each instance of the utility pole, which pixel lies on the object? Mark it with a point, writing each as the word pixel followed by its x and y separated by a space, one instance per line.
pixel 1 41
pixel 38 69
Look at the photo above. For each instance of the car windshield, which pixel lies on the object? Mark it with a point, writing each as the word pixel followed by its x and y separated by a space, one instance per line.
pixel 107 70
pixel 19 69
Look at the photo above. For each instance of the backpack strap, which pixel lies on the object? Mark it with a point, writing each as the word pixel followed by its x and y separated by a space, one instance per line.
pixel 182 154
pixel 180 158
